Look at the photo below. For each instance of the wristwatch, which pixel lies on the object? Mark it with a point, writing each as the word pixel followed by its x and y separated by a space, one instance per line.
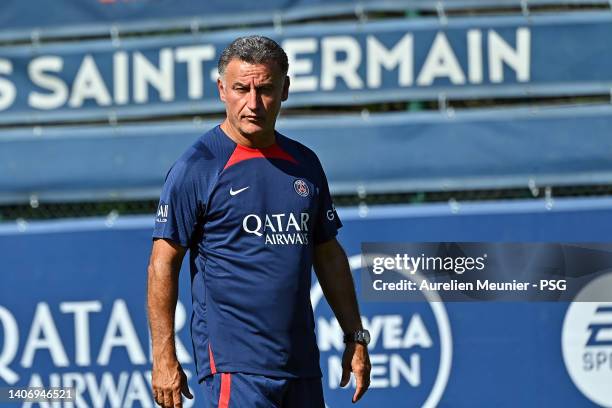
pixel 359 336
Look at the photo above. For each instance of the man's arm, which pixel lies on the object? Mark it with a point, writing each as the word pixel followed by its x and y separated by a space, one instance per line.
pixel 169 380
pixel 334 274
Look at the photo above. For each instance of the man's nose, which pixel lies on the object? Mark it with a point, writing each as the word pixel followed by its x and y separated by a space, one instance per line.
pixel 253 99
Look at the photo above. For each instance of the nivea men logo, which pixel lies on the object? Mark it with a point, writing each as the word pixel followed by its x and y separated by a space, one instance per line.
pixel 410 348
pixel 278 229
pixel 162 213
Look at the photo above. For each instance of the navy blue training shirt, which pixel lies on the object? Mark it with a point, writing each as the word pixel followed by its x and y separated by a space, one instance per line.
pixel 251 219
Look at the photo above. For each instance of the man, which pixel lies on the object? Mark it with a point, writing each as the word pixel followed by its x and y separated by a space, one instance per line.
pixel 254 209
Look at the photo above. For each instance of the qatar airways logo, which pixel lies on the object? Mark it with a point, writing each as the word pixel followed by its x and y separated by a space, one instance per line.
pixel 278 229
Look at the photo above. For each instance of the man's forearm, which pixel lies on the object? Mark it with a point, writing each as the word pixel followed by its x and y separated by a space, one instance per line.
pixel 162 294
pixel 336 280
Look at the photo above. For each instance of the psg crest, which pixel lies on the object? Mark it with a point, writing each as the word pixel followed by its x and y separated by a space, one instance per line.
pixel 301 187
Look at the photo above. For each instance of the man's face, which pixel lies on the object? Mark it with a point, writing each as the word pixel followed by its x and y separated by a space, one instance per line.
pixel 252 94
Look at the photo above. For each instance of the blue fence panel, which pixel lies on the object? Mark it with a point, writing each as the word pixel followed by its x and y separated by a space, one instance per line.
pixel 330 64
pixel 393 152
pixel 99 17
pixel 72 313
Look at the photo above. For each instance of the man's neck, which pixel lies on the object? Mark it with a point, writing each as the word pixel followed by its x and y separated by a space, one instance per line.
pixel 255 142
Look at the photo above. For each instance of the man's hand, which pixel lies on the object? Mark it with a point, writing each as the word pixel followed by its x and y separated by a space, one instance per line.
pixel 357 360
pixel 334 274
pixel 169 381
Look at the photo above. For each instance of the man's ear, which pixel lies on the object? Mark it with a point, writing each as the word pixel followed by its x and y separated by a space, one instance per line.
pixel 285 89
pixel 221 88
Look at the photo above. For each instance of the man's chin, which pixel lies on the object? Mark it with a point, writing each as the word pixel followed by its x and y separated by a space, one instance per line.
pixel 252 130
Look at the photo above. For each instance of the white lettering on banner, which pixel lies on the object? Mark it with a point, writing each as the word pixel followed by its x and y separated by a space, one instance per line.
pixel 43 335
pixel 474 38
pixel 330 335
pixel 121 322
pixel 43 324
pixel 8 92
pixel 300 68
pixel 9 346
pixel 88 84
pixel 107 390
pixel 332 68
pixel 194 56
pixel 139 391
pixel 441 62
pixel 93 389
pixel 411 372
pixel 387 369
pixel 343 61
pixel 417 334
pixel 38 71
pixel 76 380
pixel 387 328
pixel 379 55
pixel 500 52
pixel 161 78
pixel 378 374
pixel 81 312
pixel 120 77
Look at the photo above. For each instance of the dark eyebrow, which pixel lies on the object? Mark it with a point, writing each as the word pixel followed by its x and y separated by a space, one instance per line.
pixel 265 85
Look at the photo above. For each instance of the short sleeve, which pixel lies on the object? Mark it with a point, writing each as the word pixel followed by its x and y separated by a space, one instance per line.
pixel 180 206
pixel 328 221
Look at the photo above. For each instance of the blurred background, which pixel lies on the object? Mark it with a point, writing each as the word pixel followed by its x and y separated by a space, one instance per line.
pixel 436 121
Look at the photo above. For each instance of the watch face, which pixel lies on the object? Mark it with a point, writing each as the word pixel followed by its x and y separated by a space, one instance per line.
pixel 363 336
pixel 360 336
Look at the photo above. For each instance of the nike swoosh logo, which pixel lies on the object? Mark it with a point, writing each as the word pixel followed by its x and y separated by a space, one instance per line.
pixel 232 192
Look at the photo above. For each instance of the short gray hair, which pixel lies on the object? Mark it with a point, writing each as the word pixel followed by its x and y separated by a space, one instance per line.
pixel 254 49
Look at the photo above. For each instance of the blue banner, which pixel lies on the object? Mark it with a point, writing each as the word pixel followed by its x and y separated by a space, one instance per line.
pixel 20 19
pixel 396 152
pixel 72 314
pixel 330 64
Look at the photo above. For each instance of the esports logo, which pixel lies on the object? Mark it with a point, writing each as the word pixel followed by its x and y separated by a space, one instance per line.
pixel 587 340
pixel 410 350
